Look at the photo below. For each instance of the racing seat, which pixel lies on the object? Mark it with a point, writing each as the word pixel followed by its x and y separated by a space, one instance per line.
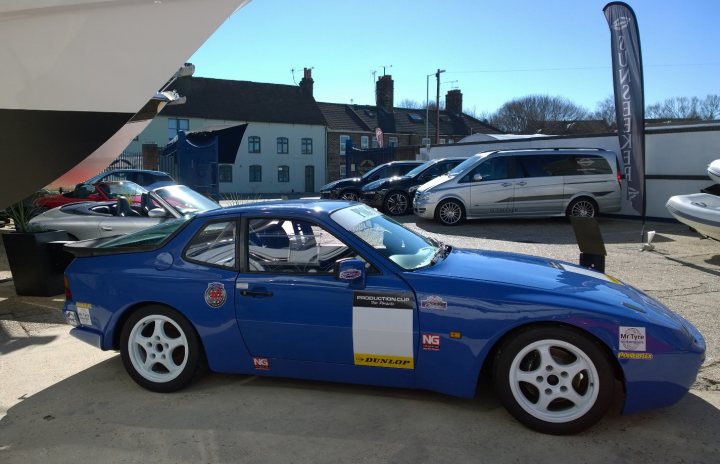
pixel 124 209
pixel 145 204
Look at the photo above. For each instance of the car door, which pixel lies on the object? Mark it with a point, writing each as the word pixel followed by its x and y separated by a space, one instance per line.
pixel 491 187
pixel 539 184
pixel 290 305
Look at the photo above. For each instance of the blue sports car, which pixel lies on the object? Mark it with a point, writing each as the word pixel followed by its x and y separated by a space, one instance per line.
pixel 333 290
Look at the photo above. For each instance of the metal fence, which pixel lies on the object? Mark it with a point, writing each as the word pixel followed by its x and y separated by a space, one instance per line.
pixel 126 160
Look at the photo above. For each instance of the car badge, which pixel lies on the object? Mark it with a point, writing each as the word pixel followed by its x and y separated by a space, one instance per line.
pixel 433 302
pixel 215 295
pixel 350 274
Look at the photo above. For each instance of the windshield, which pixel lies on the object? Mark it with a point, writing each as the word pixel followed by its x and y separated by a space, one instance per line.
pixel 116 189
pixel 465 164
pixel 185 200
pixel 420 168
pixel 372 171
pixel 392 240
pixel 147 237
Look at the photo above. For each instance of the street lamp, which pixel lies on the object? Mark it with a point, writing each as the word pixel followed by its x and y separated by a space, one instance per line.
pixel 437 106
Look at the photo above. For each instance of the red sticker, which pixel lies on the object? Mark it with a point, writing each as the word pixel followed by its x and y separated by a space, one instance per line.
pixel 215 295
pixel 261 364
pixel 431 342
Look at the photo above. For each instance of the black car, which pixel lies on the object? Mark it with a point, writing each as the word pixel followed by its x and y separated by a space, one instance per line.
pixel 393 195
pixel 349 188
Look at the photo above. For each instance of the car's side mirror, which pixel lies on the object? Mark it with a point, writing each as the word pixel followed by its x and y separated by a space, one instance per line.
pixel 477 177
pixel 352 271
pixel 157 213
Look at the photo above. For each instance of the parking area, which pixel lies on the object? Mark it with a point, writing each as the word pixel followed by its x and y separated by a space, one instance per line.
pixel 62 401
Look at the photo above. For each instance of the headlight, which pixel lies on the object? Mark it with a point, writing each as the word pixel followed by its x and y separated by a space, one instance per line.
pixel 425 197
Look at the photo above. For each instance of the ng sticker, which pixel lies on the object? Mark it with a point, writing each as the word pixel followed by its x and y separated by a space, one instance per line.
pixel 431 342
pixel 632 339
pixel 261 364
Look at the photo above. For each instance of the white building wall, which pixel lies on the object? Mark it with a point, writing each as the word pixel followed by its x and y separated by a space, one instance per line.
pixel 682 153
pixel 268 158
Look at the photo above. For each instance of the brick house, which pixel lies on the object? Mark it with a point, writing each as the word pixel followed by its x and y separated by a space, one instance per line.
pixel 403 128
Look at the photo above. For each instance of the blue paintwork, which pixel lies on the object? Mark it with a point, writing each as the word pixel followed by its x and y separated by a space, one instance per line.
pixel 305 328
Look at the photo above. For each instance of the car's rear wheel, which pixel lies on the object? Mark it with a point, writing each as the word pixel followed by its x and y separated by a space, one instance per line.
pixel 582 207
pixel 554 379
pixel 350 195
pixel 450 212
pixel 160 349
pixel 396 203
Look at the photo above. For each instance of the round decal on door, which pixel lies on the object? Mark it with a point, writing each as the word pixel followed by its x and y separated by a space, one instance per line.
pixel 215 295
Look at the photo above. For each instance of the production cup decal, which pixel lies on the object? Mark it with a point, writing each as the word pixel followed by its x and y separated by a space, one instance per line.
pixel 632 338
pixel 383 329
pixel 215 294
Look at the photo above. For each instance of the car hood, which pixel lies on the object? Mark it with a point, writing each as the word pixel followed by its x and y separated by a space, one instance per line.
pixel 340 183
pixel 383 183
pixel 435 182
pixel 568 281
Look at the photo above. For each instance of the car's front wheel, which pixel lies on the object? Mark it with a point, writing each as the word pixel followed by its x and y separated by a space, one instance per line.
pixel 160 349
pixel 554 379
pixel 350 195
pixel 397 203
pixel 450 212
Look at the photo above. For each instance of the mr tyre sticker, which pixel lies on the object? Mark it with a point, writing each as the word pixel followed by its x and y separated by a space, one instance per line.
pixel 382 329
pixel 632 338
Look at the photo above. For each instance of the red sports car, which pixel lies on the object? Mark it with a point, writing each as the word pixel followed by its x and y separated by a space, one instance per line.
pixel 102 191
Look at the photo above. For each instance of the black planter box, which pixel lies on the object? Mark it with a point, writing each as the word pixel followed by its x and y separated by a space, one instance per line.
pixel 34 262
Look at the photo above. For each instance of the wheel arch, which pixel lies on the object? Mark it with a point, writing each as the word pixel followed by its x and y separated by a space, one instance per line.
pixel 485 371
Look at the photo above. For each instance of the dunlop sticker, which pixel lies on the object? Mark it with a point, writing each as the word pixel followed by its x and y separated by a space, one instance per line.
pixel 379 360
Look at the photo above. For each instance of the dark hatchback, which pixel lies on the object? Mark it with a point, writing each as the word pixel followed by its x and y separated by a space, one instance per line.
pixel 393 195
pixel 349 188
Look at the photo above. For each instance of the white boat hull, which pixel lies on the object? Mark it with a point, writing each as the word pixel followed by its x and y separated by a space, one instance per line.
pixel 76 71
pixel 701 211
pixel 713 171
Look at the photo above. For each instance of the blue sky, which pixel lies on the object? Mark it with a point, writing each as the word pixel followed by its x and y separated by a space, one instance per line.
pixel 492 50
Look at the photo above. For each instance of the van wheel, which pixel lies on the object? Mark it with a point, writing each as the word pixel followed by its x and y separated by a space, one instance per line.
pixel 450 212
pixel 582 207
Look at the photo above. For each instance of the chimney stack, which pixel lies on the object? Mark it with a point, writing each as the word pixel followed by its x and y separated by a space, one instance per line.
pixel 384 93
pixel 453 102
pixel 306 83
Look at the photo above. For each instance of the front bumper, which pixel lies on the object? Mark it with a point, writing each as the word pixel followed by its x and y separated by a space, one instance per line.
pixel 425 210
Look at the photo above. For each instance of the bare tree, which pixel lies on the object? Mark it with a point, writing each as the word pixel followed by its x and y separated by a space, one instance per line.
pixel 605 110
pixel 408 103
pixel 710 107
pixel 675 108
pixel 536 113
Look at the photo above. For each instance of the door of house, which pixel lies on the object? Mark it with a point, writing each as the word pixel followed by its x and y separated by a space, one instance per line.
pixel 309 178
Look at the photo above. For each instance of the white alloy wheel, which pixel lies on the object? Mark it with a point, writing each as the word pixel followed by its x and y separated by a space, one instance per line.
pixel 350 196
pixel 582 208
pixel 158 348
pixel 450 212
pixel 554 381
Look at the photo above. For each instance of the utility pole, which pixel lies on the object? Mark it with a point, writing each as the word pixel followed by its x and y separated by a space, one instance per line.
pixel 437 106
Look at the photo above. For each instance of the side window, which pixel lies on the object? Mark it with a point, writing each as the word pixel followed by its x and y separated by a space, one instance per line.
pixel 214 245
pixel 491 169
pixel 290 246
pixel 381 173
pixel 534 166
pixel 592 165
pixel 561 165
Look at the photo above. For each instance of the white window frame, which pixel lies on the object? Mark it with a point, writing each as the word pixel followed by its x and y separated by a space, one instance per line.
pixel 364 142
pixel 393 142
pixel 343 139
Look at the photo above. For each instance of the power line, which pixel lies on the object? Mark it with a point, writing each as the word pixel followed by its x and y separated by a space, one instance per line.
pixel 578 68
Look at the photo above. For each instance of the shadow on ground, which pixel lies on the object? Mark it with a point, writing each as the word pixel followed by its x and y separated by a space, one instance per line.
pixel 100 415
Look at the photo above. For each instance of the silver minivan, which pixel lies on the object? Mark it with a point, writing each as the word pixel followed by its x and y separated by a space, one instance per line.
pixel 524 183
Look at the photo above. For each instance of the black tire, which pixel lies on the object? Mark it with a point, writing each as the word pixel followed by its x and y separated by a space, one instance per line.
pixel 172 368
pixel 530 378
pixel 350 195
pixel 450 212
pixel 396 203
pixel 582 207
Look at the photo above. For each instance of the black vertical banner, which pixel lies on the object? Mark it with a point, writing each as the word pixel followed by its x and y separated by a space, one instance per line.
pixel 629 98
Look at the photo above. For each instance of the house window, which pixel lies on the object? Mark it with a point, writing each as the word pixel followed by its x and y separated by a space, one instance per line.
pixel 307 147
pixel 225 172
pixel 255 173
pixel 374 143
pixel 253 144
pixel 392 142
pixel 282 145
pixel 176 125
pixel 425 141
pixel 364 142
pixel 343 141
pixel 442 141
pixel 283 174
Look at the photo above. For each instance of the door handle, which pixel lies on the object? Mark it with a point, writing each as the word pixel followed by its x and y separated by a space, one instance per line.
pixel 108 228
pixel 521 183
pixel 255 294
pixel 506 184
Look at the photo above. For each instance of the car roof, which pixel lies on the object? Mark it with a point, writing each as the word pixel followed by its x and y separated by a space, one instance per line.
pixel 310 206
pixel 116 171
pixel 547 151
